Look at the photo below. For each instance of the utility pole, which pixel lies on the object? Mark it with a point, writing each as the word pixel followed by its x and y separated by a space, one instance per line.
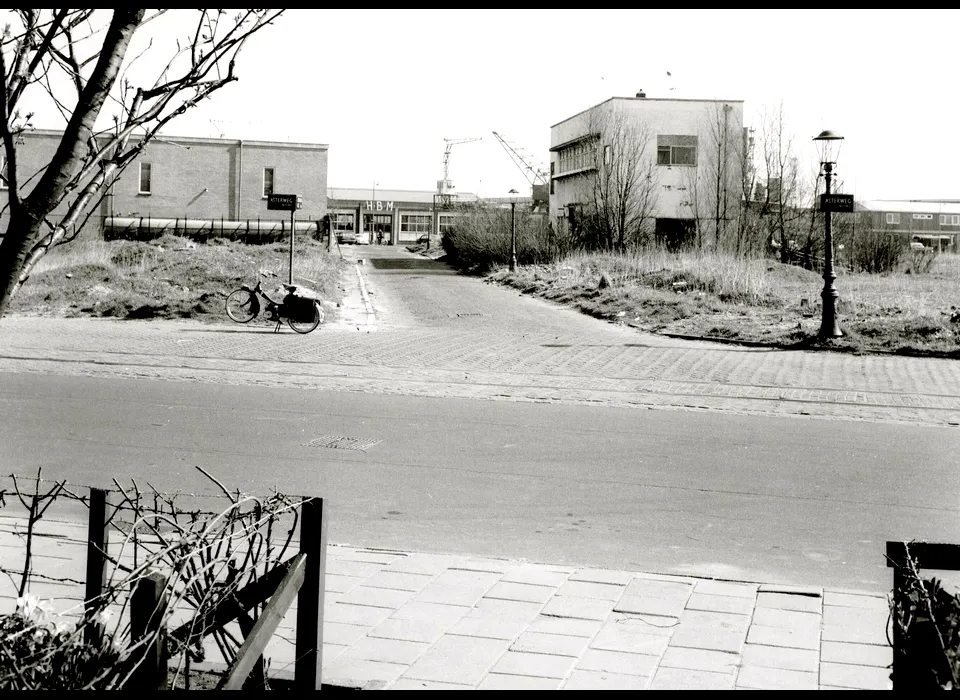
pixel 444 186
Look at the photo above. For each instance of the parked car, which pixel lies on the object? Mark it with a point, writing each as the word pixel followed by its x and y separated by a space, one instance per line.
pixel 346 237
pixel 362 238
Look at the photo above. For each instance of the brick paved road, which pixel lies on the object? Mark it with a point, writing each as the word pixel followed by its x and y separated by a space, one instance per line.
pixel 409 326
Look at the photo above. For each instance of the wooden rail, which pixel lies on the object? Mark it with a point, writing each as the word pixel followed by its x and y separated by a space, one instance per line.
pixel 301 578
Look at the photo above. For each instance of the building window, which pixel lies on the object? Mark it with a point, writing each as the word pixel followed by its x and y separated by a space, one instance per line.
pixel 893 218
pixel 447 222
pixel 342 222
pixel 552 168
pixel 676 150
pixel 145 183
pixel 267 182
pixel 923 217
pixel 950 219
pixel 415 223
pixel 578 156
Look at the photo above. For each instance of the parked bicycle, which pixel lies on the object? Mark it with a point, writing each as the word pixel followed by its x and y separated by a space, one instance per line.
pixel 300 307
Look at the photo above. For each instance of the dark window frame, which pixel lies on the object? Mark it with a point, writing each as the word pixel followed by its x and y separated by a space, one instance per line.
pixel 267 191
pixel 146 169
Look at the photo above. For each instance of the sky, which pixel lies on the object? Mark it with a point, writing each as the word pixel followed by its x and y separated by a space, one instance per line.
pixel 385 88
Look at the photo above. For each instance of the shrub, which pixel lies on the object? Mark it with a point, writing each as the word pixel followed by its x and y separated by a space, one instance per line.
pixel 36 654
pixel 480 240
pixel 922 260
pixel 877 252
pixel 929 619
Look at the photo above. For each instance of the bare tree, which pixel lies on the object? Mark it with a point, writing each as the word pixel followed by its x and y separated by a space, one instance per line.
pixel 722 143
pixel 776 214
pixel 714 186
pixel 621 195
pixel 747 237
pixel 784 191
pixel 77 59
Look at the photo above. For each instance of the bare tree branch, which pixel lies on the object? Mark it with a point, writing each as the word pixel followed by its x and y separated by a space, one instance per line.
pixel 87 162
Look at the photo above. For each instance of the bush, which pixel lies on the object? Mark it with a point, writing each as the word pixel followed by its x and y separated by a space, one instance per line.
pixel 480 241
pixel 927 656
pixel 878 252
pixel 39 655
pixel 922 260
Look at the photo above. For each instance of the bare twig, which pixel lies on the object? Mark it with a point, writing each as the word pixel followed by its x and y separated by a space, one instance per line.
pixel 217 482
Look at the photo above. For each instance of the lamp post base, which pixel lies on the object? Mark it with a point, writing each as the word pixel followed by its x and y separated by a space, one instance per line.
pixel 829 326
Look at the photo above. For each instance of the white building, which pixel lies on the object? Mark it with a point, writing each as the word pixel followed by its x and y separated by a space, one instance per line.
pixel 672 166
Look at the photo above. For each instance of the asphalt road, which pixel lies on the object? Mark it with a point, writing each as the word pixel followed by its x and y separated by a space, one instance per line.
pixel 744 497
pixel 768 498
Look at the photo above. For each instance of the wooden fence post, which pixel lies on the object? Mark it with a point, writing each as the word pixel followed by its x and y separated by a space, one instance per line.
pixel 938 556
pixel 96 576
pixel 147 604
pixel 250 655
pixel 896 559
pixel 309 646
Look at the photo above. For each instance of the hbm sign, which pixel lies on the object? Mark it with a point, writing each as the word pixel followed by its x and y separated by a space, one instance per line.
pixel 284 202
pixel 836 202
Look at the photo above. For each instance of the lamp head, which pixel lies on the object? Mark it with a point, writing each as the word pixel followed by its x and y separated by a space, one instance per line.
pixel 828 146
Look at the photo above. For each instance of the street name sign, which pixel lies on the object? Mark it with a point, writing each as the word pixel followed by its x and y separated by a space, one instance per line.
pixel 836 202
pixel 283 202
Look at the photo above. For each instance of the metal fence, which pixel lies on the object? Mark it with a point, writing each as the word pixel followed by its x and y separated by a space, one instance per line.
pixel 145 228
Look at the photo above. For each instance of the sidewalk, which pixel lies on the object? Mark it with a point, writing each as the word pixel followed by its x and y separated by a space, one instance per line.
pixel 409 620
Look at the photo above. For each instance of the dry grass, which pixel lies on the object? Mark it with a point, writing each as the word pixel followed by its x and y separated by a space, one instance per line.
pixel 696 294
pixel 756 301
pixel 171 277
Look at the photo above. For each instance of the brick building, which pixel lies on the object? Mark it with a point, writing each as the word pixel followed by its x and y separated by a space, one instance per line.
pixel 193 186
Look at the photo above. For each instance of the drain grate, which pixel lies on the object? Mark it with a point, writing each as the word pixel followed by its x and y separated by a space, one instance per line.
pixel 463 315
pixel 339 442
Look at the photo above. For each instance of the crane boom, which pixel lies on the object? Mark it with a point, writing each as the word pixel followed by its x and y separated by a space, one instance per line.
pixel 444 185
pixel 535 175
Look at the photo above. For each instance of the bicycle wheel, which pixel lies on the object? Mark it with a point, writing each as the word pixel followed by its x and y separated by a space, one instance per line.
pixel 242 305
pixel 304 322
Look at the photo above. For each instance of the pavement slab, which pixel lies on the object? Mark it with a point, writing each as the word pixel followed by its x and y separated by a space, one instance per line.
pixel 532 626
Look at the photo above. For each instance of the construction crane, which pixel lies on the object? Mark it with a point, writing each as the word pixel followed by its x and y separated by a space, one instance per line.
pixel 444 186
pixel 536 175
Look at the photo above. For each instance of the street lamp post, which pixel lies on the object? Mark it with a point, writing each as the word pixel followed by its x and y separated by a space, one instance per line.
pixel 434 223
pixel 826 142
pixel 513 230
pixel 373 212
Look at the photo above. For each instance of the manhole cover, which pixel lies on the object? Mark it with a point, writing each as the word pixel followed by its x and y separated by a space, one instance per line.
pixel 339 442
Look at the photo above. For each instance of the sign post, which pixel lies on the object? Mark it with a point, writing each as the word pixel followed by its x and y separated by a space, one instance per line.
pixel 287 202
